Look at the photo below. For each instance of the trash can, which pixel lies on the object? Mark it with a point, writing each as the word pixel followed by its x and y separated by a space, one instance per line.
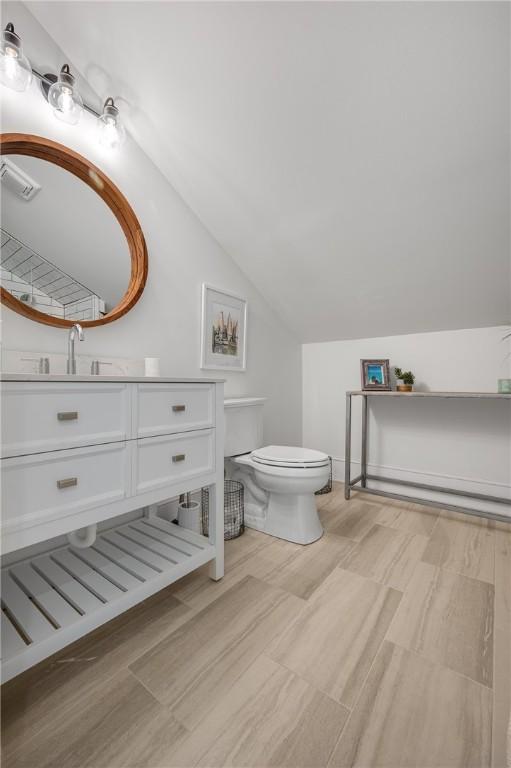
pixel 234 509
pixel 328 487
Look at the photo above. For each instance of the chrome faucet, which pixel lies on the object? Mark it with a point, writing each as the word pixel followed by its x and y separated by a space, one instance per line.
pixel 75 330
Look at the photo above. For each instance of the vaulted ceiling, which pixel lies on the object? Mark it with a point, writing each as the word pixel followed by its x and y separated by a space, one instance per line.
pixel 352 158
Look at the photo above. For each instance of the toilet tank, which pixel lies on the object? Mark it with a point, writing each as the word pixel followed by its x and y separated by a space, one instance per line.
pixel 243 424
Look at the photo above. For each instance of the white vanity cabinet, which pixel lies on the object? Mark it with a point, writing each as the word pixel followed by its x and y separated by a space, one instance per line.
pixel 78 451
pixel 43 416
pixel 45 488
pixel 168 408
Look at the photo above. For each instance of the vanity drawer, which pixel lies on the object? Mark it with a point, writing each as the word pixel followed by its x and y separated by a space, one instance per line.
pixel 48 417
pixel 161 461
pixel 166 408
pixel 50 486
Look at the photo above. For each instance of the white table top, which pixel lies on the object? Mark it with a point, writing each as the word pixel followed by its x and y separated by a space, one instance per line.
pixel 483 395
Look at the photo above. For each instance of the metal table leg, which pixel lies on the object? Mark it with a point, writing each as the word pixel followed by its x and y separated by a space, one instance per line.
pixel 363 461
pixel 360 481
pixel 347 451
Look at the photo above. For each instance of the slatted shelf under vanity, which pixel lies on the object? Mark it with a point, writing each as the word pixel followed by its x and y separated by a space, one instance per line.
pixel 53 599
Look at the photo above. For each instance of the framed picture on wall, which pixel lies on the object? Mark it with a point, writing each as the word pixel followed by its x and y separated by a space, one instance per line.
pixel 223 329
pixel 375 374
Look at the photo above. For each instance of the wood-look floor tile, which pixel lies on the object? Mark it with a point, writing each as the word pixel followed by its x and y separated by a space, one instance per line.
pixel 448 618
pixel 416 714
pixel 44 693
pixel 204 657
pixel 462 545
pixel 303 573
pixel 330 513
pixel 410 519
pixel 501 743
pixel 83 709
pixel 236 550
pixel 324 499
pixel 119 725
pixel 270 717
pixel 503 575
pixel 332 506
pixel 359 495
pixel 463 517
pixel 197 590
pixel 334 640
pixel 386 555
pixel 352 521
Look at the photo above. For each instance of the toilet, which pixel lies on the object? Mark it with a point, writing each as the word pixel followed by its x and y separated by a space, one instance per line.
pixel 279 480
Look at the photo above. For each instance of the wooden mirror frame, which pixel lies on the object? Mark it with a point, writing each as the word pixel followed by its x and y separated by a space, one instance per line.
pixel 37 146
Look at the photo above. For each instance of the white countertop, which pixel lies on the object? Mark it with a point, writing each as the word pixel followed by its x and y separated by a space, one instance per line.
pixel 62 377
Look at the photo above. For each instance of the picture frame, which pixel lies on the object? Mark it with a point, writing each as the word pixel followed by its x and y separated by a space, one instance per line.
pixel 223 330
pixel 375 375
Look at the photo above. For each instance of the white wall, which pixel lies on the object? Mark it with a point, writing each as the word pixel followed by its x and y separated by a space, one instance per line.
pixel 182 254
pixel 355 152
pixel 463 444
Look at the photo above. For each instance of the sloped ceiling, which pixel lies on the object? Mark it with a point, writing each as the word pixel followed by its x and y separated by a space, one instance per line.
pixel 353 158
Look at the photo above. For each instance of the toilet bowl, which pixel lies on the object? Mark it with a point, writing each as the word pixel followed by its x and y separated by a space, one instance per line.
pixel 280 482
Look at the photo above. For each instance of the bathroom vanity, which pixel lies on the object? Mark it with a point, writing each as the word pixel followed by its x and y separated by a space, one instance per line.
pixel 78 451
pixel 86 460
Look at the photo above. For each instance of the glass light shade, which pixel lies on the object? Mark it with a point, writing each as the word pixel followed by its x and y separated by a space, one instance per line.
pixel 111 133
pixel 65 100
pixel 15 69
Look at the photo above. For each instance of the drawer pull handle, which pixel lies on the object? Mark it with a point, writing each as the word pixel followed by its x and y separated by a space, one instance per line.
pixel 178 408
pixel 178 457
pixel 68 482
pixel 67 415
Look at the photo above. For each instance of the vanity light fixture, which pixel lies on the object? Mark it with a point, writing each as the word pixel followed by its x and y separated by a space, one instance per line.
pixel 15 69
pixel 111 133
pixel 64 98
pixel 61 93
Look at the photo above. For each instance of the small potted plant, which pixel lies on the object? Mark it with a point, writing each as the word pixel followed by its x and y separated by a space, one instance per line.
pixel 405 380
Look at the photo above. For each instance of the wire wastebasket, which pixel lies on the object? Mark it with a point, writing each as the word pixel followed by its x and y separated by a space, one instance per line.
pixel 328 487
pixel 234 510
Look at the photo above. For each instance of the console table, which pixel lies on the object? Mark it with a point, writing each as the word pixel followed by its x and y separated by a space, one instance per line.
pixel 360 482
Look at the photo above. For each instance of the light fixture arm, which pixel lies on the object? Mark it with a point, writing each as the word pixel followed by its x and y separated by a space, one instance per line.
pixel 48 82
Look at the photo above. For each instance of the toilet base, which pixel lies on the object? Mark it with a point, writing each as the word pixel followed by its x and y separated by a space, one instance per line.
pixel 288 517
pixel 280 500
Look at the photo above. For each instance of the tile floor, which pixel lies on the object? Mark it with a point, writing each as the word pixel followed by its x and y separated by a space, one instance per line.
pixel 386 643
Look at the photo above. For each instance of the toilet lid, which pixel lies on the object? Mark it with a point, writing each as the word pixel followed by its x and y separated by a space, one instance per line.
pixel 289 456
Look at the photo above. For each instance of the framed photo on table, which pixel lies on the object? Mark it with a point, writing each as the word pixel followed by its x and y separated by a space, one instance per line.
pixel 375 375
pixel 223 330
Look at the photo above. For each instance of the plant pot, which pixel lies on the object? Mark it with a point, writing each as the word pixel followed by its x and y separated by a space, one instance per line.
pixel 404 387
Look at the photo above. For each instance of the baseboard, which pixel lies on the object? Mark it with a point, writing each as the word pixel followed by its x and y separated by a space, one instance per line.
pixel 470 485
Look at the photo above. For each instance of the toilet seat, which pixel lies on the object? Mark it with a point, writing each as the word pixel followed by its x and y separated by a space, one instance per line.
pixel 290 456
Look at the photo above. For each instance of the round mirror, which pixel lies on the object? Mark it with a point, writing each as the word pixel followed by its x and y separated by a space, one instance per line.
pixel 71 247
